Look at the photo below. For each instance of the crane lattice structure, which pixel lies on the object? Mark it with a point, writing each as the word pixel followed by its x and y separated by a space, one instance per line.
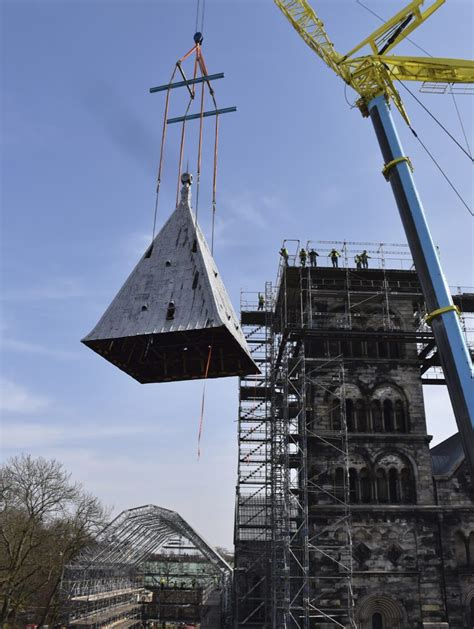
pixel 373 77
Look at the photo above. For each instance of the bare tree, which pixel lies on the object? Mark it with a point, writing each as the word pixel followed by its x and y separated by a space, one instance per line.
pixel 226 554
pixel 45 520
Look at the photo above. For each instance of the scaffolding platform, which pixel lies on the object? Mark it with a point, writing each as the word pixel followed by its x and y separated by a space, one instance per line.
pixel 317 324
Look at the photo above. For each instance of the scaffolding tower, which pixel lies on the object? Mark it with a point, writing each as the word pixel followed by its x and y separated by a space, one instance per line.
pixel 276 551
pixel 312 569
pixel 253 531
pixel 293 541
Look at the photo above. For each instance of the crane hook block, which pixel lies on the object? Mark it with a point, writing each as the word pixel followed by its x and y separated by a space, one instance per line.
pixel 172 309
pixel 198 38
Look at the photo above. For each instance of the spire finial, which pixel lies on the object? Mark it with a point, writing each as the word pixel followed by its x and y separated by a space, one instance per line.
pixel 186 180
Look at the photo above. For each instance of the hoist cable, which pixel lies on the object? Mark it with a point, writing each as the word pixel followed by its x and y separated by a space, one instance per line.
pixel 214 182
pixel 163 138
pixel 197 15
pixel 202 15
pixel 442 172
pixel 200 9
pixel 434 118
pixel 460 120
pixel 199 159
pixel 351 105
pixel 379 17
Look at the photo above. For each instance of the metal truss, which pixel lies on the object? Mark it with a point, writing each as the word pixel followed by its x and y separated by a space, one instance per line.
pixel 107 583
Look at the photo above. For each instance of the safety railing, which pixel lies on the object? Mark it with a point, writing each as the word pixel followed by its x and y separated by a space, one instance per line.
pixel 377 255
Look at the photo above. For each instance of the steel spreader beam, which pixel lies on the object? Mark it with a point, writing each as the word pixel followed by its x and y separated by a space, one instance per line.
pixel 453 350
pixel 215 112
pixel 199 79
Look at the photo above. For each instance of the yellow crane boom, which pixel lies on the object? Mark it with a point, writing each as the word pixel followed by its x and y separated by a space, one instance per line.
pixel 302 17
pixel 373 74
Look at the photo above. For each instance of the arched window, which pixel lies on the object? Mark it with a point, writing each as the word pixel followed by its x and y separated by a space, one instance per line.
pixel 365 488
pixel 339 483
pixel 350 415
pixel 361 413
pixel 376 412
pixel 388 415
pixel 353 493
pixel 407 486
pixel 382 490
pixel 400 417
pixel 377 621
pixel 393 493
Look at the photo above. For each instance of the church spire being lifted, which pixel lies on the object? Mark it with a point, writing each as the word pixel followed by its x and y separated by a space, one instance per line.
pixel 172 319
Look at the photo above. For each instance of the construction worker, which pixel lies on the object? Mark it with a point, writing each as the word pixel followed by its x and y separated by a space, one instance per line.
pixel 261 301
pixel 312 257
pixel 334 255
pixel 303 257
pixel 358 261
pixel 284 254
pixel 364 257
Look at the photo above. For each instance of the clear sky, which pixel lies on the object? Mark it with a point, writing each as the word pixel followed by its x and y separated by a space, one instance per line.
pixel 80 136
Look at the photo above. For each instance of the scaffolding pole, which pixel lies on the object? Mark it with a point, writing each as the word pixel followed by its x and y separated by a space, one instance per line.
pixel 252 531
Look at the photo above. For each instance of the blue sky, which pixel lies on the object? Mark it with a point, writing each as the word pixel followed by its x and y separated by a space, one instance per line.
pixel 80 149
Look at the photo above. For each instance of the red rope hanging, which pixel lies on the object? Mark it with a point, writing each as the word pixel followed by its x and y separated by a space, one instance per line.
pixel 201 419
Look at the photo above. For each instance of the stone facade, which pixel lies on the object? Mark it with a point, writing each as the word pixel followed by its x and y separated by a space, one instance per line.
pixel 348 518
pixel 412 508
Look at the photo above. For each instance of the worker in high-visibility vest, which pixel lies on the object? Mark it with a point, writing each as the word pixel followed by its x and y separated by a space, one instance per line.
pixel 334 255
pixel 284 254
pixel 303 256
pixel 358 261
pixel 261 301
